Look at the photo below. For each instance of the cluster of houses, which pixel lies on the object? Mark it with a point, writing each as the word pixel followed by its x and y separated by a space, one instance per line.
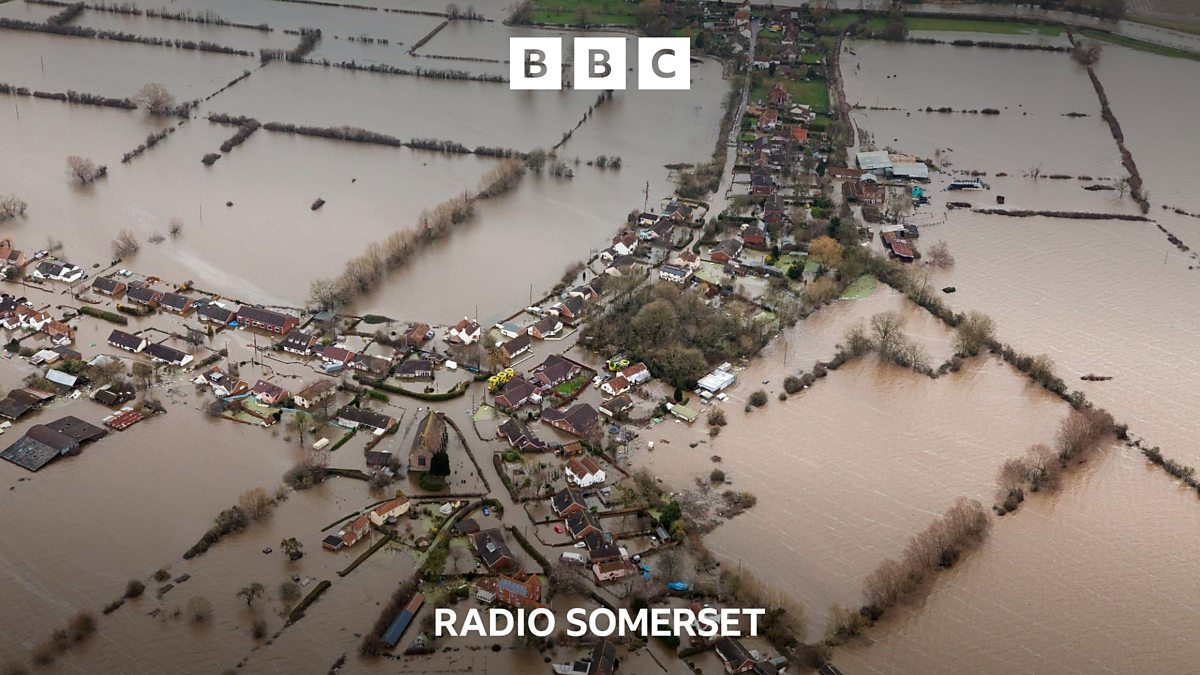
pixel 19 314
pixel 607 560
pixel 358 528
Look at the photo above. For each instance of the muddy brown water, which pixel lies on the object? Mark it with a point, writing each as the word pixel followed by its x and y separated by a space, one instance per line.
pixel 844 473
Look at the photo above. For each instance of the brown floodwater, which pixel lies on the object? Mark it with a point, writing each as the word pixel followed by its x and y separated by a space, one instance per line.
pixel 1054 585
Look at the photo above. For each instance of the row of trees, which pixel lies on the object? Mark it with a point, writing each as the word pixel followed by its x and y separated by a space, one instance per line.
pixel 363 273
pixel 937 546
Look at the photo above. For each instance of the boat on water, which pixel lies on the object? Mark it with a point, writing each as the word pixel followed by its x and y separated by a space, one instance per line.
pixel 967 184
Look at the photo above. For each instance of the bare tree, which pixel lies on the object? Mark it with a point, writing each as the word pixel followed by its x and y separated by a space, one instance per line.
pixel 939 255
pixel 155 99
pixel 83 169
pixel 11 207
pixel 888 327
pixel 1085 52
pixel 974 332
pixel 125 244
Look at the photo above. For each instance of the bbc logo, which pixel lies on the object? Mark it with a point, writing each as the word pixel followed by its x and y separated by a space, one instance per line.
pixel 662 63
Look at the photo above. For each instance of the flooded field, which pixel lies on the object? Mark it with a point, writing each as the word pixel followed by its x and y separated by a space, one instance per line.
pixel 1025 605
pixel 1100 297
pixel 847 471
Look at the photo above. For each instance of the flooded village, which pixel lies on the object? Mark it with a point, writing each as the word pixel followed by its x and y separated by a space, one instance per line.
pixel 313 327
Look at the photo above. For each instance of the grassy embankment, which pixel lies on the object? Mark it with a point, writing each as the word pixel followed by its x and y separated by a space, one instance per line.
pixel 599 12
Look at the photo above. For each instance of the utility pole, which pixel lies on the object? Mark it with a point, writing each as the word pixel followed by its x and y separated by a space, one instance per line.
pixel 646 203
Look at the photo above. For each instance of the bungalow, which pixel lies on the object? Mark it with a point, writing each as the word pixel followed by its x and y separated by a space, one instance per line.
pixel 518 436
pixel 509 329
pixel 768 120
pixel 726 251
pixel 490 547
pixel 266 319
pixel 168 355
pixel 778 95
pixel 336 355
pixel 11 257
pixel 349 535
pixel 625 244
pixel 418 335
pixel 465 331
pixel 24 316
pixel 554 371
pixel 516 393
pixel 734 655
pixel 212 312
pixel 636 373
pixel 568 501
pixel 684 413
pixel 616 386
pixel 315 393
pixel 613 571
pixel 570 309
pixel 863 191
pixel 686 260
pixel 516 346
pixel 584 471
pixel 616 405
pixel 577 420
pixel 298 342
pixel 580 523
pixel 547 327
pixel 175 302
pixel 584 292
pixel 390 509
pixel 65 381
pixel 798 134
pixel 366 363
pixel 415 369
pixel 127 341
pixel 143 295
pixel 269 393
pixel 59 333
pixel 354 418
pixel 523 591
pixel 110 395
pixel 674 274
pixel 108 286
pixel 680 213
pixel 430 440
pixel 58 271
pixel 755 238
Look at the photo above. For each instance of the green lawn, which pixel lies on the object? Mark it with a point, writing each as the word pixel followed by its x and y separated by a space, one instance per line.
pixel 980 26
pixel 566 389
pixel 600 12
pixel 1140 45
pixel 814 93
pixel 862 287
pixel 876 24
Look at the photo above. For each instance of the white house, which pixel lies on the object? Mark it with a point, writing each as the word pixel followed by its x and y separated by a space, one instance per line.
pixel 584 472
pixel 616 386
pixel 636 374
pixel 465 331
pixel 67 272
pixel 389 509
pixel 677 275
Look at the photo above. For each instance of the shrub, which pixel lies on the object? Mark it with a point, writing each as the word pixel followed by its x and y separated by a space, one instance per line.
pixel 258 628
pixel 717 476
pixel 199 609
pixel 289 591
pixel 758 399
pixel 792 384
pixel 716 417
pixel 134 588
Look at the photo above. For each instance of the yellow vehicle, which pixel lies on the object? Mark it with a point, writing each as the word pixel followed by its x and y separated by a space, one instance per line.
pixel 499 379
